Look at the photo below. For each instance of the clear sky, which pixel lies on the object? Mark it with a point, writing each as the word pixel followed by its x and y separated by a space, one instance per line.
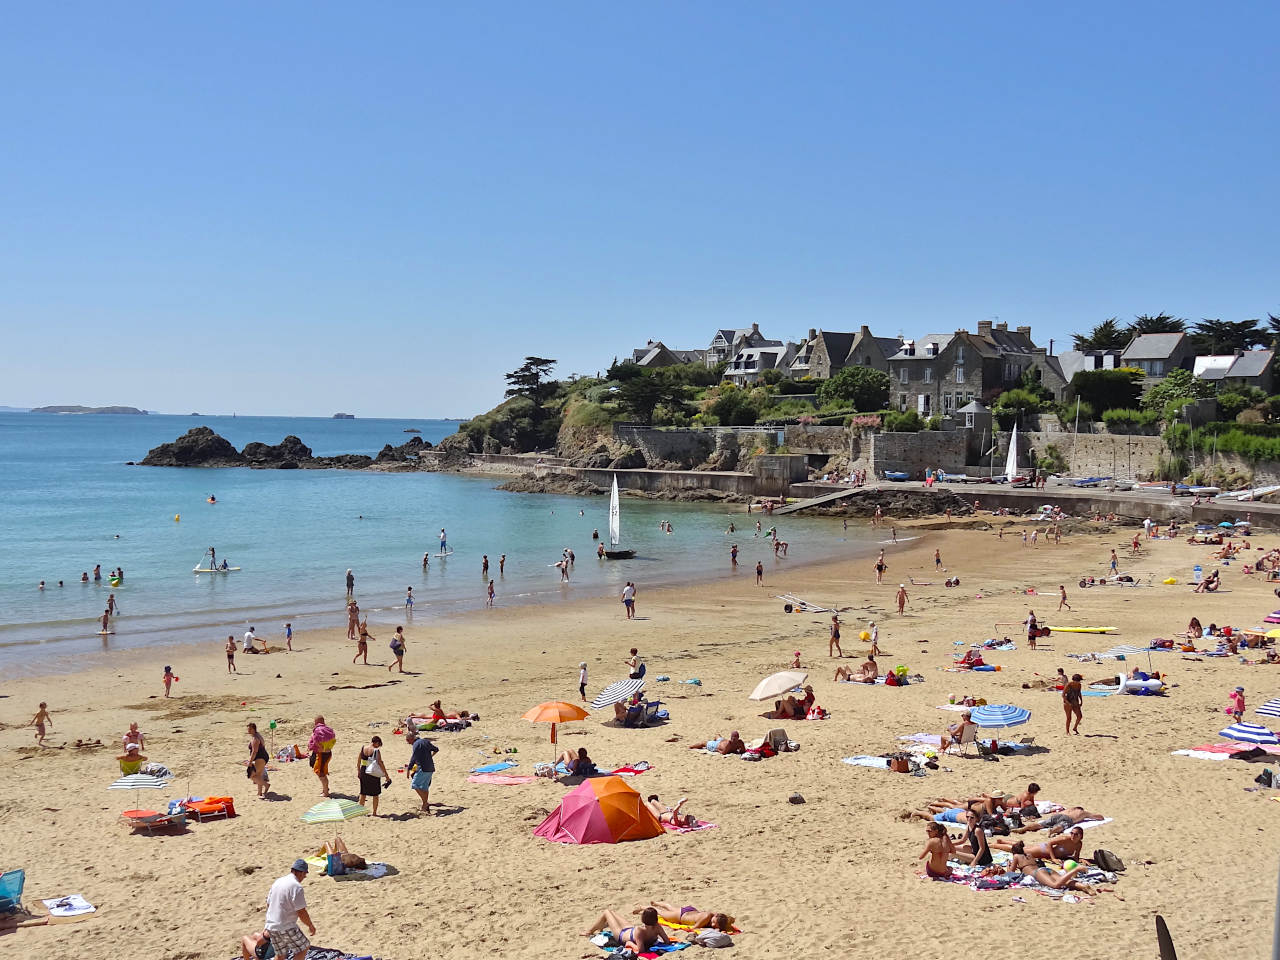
pixel 298 208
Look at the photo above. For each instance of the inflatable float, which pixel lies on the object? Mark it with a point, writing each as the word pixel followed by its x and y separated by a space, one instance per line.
pixel 1138 686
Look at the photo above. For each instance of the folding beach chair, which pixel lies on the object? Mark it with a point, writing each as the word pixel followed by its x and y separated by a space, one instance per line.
pixel 968 738
pixel 11 884
pixel 158 821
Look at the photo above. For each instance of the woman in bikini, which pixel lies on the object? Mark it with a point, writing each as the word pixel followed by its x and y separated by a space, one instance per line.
pixel 638 938
pixel 937 849
pixel 691 916
pixel 258 757
pixel 975 849
pixel 671 815
pixel 362 643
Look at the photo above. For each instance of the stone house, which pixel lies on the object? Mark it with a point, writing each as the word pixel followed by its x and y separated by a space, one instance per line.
pixel 655 353
pixel 726 343
pixel 942 372
pixel 824 353
pixel 1244 368
pixel 1156 354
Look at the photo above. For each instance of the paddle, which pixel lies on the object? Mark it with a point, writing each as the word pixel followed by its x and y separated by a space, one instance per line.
pixel 1164 940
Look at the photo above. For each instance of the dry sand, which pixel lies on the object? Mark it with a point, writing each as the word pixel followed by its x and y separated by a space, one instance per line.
pixel 834 876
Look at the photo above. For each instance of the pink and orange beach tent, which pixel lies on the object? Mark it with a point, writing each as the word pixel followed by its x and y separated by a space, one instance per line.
pixel 600 810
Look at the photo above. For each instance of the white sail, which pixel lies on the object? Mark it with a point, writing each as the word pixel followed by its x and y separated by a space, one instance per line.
pixel 615 520
pixel 1011 462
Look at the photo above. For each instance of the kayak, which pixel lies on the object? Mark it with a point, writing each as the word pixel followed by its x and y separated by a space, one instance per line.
pixel 1081 629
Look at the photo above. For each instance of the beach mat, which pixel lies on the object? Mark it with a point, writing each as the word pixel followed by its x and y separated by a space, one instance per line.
pixel 496 767
pixel 500 779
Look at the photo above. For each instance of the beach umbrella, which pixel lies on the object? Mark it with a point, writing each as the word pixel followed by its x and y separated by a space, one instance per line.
pixel 1273 634
pixel 617 692
pixel 775 685
pixel 1269 709
pixel 334 810
pixel 600 810
pixel 554 712
pixel 1249 733
pixel 1226 523
pixel 137 782
pixel 999 715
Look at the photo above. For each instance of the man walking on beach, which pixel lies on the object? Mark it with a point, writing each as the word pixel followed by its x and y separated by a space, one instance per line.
pixel 422 767
pixel 902 599
pixel 351 584
pixel 320 746
pixel 759 574
pixel 629 599
pixel 286 905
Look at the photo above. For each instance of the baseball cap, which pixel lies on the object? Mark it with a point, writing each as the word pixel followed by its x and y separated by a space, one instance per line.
pixel 300 866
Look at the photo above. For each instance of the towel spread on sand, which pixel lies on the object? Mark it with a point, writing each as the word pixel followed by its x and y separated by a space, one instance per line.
pixel 72 906
pixel 957 707
pixel 876 763
pixel 931 739
pixel 500 779
pixel 632 769
pixel 496 767
pixel 699 825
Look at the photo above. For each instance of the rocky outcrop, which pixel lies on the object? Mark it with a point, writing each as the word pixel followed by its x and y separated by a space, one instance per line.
pixel 201 447
pixel 198 447
pixel 551 483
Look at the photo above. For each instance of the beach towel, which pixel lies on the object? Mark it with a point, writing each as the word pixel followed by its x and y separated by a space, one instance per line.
pixel 500 779
pixel 1199 754
pixel 876 763
pixel 930 739
pixel 673 925
pixel 698 825
pixel 72 906
pixel 632 770
pixel 329 953
pixel 957 707
pixel 496 767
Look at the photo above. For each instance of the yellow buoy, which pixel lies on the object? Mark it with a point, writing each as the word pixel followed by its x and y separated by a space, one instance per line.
pixel 177 517
pixel 864 635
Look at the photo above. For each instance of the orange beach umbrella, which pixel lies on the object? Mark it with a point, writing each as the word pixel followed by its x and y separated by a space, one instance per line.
pixel 553 712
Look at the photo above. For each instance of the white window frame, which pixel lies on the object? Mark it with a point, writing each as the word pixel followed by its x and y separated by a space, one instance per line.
pixel 960 374
pixel 928 374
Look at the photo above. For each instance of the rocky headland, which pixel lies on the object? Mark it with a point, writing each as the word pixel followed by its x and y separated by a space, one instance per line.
pixel 201 447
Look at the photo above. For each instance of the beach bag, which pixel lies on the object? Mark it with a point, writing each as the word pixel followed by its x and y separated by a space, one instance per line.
pixel 899 764
pixel 374 767
pixel 712 938
pixel 334 866
pixel 1108 861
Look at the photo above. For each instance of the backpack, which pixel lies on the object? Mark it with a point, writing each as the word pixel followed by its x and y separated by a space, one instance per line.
pixel 1108 861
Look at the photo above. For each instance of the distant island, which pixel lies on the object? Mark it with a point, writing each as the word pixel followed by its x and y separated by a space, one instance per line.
pixel 412 430
pixel 344 416
pixel 78 409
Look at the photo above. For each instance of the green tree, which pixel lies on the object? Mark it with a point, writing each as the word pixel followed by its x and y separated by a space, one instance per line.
pixel 733 408
pixel 1013 405
pixel 1159 323
pixel 865 388
pixel 1108 335
pixel 627 370
pixel 1106 390
pixel 531 380
pixel 1226 336
pixel 1177 385
pixel 771 376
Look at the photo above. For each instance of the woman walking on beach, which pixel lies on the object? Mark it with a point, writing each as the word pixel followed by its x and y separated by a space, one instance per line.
pixel 258 757
pixel 397 648
pixel 881 567
pixel 351 584
pixel 1072 698
pixel 372 773
pixel 362 643
pixel 833 642
pixel 353 618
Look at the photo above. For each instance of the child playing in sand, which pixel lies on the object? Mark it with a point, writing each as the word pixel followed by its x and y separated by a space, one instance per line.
pixel 168 679
pixel 1235 703
pixel 41 718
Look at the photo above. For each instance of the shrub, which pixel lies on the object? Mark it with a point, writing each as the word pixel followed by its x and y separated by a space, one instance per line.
pixel 1067 413
pixel 1053 459
pixel 803 385
pixel 863 388
pixel 934 422
pixel 908 422
pixel 1129 421
pixel 864 421
pixel 1107 389
pixel 1177 383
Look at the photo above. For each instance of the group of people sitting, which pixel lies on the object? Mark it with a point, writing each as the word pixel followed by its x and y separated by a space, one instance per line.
pixel 989 820
pixel 710 927
pixel 789 708
pixel 1209 584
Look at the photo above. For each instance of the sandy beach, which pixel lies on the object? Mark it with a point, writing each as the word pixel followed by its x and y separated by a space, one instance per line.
pixel 834 876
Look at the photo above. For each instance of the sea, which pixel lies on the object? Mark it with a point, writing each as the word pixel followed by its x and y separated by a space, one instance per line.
pixel 69 500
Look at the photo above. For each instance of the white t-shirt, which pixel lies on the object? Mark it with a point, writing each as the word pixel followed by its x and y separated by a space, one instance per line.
pixel 875 633
pixel 284 900
pixel 582 676
pixel 248 639
pixel 628 592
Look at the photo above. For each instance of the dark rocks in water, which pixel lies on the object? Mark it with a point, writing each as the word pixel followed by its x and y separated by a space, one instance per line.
pixel 551 483
pixel 289 449
pixel 408 450
pixel 198 447
pixel 346 461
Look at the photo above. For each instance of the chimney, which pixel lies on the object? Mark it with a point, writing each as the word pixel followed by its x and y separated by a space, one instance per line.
pixel 864 331
pixel 812 334
pixel 1025 331
pixel 1051 346
pixel 984 328
pixel 755 329
pixel 1002 326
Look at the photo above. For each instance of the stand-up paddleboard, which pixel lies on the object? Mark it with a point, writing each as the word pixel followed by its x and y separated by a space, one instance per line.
pixel 1081 629
pixel 447 553
pixel 103 633
pixel 214 569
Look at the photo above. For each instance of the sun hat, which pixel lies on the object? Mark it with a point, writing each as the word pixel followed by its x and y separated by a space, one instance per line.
pixel 1239 689
pixel 132 746
pixel 300 866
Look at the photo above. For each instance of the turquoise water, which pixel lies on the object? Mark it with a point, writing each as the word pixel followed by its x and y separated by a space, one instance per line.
pixel 69 501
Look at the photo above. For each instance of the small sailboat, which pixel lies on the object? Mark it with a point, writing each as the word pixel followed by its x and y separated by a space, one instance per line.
pixel 615 527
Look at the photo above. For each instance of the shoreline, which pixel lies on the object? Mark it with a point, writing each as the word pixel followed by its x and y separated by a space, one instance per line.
pixel 728 634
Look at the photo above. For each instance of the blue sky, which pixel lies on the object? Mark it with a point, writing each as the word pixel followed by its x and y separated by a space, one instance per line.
pixel 294 208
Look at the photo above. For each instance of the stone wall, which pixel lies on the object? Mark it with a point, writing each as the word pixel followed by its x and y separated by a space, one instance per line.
pixel 914 452
pixel 1092 454
pixel 652 481
pixel 667 446
pixel 799 438
pixel 774 473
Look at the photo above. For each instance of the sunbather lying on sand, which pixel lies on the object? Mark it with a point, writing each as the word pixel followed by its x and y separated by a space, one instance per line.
pixel 1060 849
pixel 1056 823
pixel 691 916
pixel 866 673
pixel 671 815
pixel 638 938
pixel 1065 880
pixel 730 744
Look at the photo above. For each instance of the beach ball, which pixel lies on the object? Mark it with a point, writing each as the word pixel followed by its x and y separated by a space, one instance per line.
pixel 864 635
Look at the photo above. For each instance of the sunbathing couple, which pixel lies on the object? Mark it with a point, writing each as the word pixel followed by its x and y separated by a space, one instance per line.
pixel 790 708
pixel 867 673
pixel 1026 862
pixel 641 937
